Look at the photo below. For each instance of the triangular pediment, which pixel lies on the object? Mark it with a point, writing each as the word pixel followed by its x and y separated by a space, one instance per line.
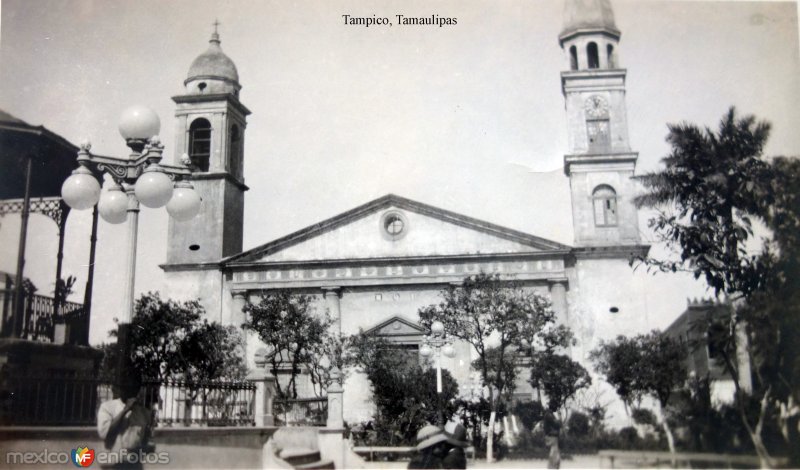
pixel 397 328
pixel 395 227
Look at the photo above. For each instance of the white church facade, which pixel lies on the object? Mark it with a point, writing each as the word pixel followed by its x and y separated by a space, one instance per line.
pixel 374 266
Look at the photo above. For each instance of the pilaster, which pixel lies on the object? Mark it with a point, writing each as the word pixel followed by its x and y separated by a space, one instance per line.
pixel 332 303
pixel 266 390
pixel 558 296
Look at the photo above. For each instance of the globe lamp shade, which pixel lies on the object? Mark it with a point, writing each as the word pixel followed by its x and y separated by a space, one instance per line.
pixel 185 203
pixel 113 205
pixel 153 189
pixel 437 327
pixel 139 122
pixel 81 190
pixel 449 351
pixel 425 350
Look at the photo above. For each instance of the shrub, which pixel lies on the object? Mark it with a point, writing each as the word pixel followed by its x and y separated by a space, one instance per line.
pixel 578 425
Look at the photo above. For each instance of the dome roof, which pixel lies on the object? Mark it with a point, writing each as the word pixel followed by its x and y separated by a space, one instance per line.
pixel 213 63
pixel 592 15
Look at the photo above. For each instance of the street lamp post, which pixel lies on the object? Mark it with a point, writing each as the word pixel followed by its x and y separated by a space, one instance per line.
pixel 140 178
pixel 436 342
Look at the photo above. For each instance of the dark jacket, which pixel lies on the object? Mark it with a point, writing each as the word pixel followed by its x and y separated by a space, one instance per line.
pixel 455 458
pixel 425 460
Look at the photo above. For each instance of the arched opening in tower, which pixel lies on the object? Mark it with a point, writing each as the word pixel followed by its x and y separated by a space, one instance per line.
pixel 592 55
pixel 200 144
pixel 573 58
pixel 235 151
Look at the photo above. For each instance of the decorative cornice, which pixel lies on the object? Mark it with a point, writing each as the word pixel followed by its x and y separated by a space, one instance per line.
pixel 233 265
pixel 219 175
pixel 584 159
pixel 175 267
pixel 611 251
pixel 593 73
pixel 229 97
pixel 443 272
pixel 608 32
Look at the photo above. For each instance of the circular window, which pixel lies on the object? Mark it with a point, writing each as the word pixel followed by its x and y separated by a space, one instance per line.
pixel 393 225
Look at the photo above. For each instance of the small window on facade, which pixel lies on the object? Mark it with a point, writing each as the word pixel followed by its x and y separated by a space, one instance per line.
pixel 605 206
pixel 393 225
pixel 573 58
pixel 592 56
pixel 200 144
pixel 235 157
pixel 610 56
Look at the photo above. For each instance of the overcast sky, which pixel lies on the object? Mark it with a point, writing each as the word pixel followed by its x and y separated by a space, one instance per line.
pixel 469 118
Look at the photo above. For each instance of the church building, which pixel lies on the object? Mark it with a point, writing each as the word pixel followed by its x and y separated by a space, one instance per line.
pixel 374 266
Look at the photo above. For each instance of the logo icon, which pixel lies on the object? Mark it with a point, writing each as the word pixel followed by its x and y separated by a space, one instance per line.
pixel 82 456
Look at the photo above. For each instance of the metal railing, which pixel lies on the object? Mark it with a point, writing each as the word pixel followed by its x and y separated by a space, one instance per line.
pixel 39 400
pixel 300 411
pixel 212 403
pixel 39 315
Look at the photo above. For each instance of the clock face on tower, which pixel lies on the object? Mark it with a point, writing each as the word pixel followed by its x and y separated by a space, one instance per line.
pixel 596 107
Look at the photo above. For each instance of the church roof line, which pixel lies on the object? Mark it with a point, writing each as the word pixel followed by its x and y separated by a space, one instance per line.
pixel 404 203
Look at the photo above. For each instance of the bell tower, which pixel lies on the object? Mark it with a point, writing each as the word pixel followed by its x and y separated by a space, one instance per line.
pixel 210 125
pixel 600 163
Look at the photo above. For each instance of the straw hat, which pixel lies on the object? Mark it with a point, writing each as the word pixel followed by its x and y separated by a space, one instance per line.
pixel 456 434
pixel 429 435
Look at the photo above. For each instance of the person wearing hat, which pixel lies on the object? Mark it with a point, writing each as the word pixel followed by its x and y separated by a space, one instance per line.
pixel 431 447
pixel 456 439
pixel 125 425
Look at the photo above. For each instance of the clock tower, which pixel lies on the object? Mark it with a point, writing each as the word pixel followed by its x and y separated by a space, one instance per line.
pixel 600 163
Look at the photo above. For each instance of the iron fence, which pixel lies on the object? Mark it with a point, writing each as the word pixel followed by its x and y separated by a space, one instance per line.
pixel 46 400
pixel 300 411
pixel 39 315
pixel 212 403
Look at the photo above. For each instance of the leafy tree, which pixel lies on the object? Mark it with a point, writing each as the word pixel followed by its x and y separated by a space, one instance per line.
pixel 212 351
pixel 403 390
pixel 646 365
pixel 560 378
pixel 326 356
pixel 293 331
pixel 713 187
pixel 169 339
pixel 502 321
pixel 579 425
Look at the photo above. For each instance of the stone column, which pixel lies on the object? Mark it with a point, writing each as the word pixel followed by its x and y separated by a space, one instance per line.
pixel 558 295
pixel 237 317
pixel 335 396
pixel 332 303
pixel 266 389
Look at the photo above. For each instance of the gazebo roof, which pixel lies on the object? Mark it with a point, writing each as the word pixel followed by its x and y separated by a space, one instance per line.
pixel 53 158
